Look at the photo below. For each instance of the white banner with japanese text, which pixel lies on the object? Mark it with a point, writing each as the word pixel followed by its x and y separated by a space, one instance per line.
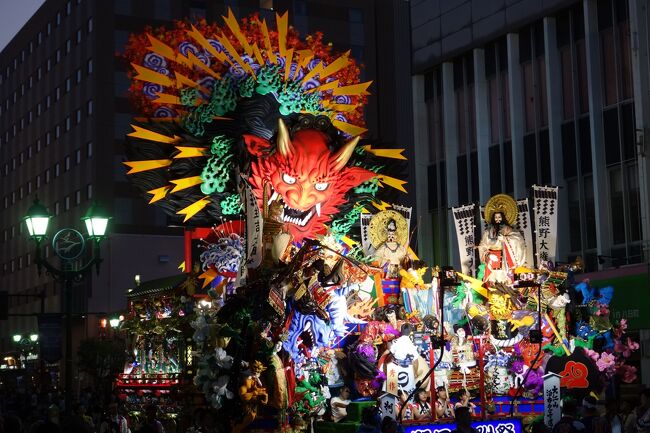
pixel 545 206
pixel 464 221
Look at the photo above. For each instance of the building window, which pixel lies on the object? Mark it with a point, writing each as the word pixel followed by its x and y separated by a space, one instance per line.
pixel 68 46
pixel 39 73
pixel 48 139
pixel 79 34
pixel 89 66
pixel 78 75
pixel 68 8
pixel 58 55
pixel 57 208
pixel 29 187
pixel 78 116
pixel 57 94
pixel 39 38
pixel 68 84
pixel 38 145
pixel 48 66
pixel 77 156
pixel 57 131
pixel 57 169
pixel 67 202
pixel 67 163
pixel 38 181
pixel 89 191
pixel 29 152
pixel 89 149
pixel 77 197
pixel 58 19
pixel 89 107
pixel 48 102
pixel 47 176
pixel 90 24
pixel 38 109
pixel 68 123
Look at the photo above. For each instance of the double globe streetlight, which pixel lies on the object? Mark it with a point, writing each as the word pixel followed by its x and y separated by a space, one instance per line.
pixel 68 244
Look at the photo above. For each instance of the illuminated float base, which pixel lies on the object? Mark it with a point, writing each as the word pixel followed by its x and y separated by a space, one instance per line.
pixel 490 426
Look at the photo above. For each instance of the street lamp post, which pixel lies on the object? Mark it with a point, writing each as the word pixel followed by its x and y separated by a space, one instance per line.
pixel 68 244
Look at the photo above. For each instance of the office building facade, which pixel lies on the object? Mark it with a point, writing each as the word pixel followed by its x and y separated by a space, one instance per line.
pixel 510 94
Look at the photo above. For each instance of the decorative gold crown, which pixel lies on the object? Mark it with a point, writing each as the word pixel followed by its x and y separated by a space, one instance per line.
pixel 501 203
pixel 379 222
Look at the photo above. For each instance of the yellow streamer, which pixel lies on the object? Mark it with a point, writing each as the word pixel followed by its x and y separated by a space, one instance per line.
pixel 151 164
pixel 392 182
pixel 158 193
pixel 185 183
pixel 145 134
pixel 385 153
pixel 145 74
pixel 194 208
pixel 190 152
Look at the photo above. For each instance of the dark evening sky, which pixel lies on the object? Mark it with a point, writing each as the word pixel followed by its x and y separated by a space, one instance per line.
pixel 13 15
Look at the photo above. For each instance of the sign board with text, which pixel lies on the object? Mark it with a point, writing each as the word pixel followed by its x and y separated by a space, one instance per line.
pixel 512 425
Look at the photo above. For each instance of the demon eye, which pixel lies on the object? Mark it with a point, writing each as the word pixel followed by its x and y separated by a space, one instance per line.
pixel 321 186
pixel 288 179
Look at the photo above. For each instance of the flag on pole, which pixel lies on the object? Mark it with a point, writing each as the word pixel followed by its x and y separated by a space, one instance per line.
pixel 464 221
pixel 545 202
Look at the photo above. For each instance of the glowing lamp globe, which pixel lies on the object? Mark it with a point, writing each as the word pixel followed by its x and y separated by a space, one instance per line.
pixel 37 220
pixel 96 221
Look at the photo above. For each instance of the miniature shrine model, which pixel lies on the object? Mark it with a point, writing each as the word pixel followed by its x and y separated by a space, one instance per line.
pixel 318 312
pixel 157 363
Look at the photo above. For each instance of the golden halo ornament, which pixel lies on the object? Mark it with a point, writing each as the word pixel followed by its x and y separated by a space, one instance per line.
pixel 501 203
pixel 377 229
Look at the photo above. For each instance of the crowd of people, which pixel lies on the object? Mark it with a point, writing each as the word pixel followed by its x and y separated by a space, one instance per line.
pixel 46 413
pixel 22 412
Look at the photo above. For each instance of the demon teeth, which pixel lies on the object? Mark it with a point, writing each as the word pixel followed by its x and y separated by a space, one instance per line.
pixel 318 209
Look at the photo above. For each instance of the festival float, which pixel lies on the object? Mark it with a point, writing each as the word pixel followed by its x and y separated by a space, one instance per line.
pixel 318 312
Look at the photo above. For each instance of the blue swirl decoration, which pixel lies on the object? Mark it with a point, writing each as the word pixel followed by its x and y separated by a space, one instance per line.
pixel 251 62
pixel 343 99
pixel 204 57
pixel 185 47
pixel 295 75
pixel 155 61
pixel 164 112
pixel 312 64
pixel 236 72
pixel 151 90
pixel 217 45
pixel 311 83
pixel 340 117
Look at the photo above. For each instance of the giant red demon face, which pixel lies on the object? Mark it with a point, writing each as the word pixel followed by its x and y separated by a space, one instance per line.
pixel 310 180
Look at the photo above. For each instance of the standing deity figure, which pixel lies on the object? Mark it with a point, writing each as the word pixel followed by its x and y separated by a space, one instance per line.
pixel 502 247
pixel 388 232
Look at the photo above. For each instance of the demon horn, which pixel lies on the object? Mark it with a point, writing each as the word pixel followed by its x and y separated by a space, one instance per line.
pixel 284 141
pixel 343 155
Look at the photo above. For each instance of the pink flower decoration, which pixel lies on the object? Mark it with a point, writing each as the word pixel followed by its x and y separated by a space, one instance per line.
pixel 606 361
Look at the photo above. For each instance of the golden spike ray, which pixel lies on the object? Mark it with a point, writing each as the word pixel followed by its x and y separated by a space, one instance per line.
pixel 158 193
pixel 194 208
pixel 267 41
pixel 190 152
pixel 146 74
pixel 385 153
pixel 187 182
pixel 149 164
pixel 233 25
pixel 198 37
pixel 282 23
pixel 146 134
